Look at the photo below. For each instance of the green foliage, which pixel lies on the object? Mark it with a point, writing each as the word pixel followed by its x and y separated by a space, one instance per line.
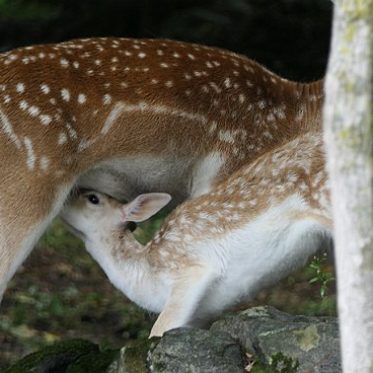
pixel 57 238
pixel 284 364
pixel 29 9
pixel 279 363
pixel 320 275
pixel 146 230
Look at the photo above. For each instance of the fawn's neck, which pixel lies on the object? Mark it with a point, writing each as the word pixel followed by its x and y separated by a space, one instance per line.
pixel 128 268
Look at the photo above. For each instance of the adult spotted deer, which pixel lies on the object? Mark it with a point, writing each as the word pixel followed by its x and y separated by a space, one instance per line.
pixel 217 249
pixel 128 116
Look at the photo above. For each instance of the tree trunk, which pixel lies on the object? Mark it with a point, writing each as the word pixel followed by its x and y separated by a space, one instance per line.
pixel 348 117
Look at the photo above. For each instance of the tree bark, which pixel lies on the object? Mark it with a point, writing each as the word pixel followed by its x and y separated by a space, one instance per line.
pixel 348 133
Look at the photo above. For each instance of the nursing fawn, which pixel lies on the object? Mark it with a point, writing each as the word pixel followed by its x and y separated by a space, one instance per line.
pixel 220 248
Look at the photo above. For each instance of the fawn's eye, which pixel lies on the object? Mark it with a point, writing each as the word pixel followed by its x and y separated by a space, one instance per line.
pixel 93 199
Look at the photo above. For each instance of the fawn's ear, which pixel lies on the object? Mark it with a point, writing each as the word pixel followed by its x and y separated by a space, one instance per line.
pixel 144 206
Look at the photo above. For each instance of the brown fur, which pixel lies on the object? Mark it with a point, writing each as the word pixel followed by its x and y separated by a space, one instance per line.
pixel 167 98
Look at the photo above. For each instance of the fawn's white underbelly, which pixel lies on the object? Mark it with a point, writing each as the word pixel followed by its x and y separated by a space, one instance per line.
pixel 260 253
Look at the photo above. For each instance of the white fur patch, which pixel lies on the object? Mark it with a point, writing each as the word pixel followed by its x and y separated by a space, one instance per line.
pixel 31 158
pixel 112 117
pixel 205 172
pixel 260 253
pixel 7 128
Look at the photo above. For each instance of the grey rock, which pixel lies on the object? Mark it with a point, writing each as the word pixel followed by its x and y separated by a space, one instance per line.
pixel 196 351
pixel 274 342
pixel 311 343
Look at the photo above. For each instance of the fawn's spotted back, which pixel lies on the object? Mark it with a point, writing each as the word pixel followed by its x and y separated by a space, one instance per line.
pixel 296 168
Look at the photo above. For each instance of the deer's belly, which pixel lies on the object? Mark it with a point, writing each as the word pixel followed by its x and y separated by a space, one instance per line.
pixel 125 178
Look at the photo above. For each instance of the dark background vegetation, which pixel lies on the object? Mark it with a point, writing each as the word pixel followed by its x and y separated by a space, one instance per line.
pixel 290 37
pixel 59 292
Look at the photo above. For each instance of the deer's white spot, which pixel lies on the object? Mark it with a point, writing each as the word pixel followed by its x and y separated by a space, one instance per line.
pixel 82 98
pixel 23 105
pixel 227 83
pixel 215 87
pixel 8 129
pixel 20 87
pixel 45 89
pixel 226 136
pixel 65 93
pixel 34 111
pixel 270 117
pixel 44 163
pixel 107 99
pixel 112 117
pixel 62 138
pixel 31 158
pixel 45 119
pixel 64 62
pixel 280 113
pixel 71 131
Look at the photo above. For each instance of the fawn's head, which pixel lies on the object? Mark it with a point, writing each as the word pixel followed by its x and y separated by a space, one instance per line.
pixel 92 213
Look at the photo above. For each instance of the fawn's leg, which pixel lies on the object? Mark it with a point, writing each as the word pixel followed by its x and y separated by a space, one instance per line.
pixel 25 212
pixel 187 293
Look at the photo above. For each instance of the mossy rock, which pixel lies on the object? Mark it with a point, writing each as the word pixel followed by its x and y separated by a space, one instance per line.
pixel 133 358
pixel 263 338
pixel 56 358
pixel 93 362
pixel 194 350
